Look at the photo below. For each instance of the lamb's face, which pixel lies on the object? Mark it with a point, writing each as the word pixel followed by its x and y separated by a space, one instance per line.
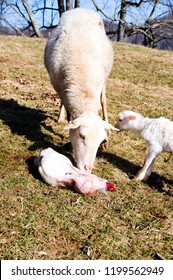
pixel 127 120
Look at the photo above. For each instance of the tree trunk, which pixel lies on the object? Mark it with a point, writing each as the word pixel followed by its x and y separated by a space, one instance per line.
pixel 61 7
pixel 149 40
pixel 33 21
pixel 69 5
pixel 121 25
pixel 77 4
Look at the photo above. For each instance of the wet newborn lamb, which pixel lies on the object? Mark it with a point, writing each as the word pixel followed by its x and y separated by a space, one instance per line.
pixel 157 132
pixel 57 170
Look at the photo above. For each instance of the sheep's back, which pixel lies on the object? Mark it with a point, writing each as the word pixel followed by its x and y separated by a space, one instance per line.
pixel 79 55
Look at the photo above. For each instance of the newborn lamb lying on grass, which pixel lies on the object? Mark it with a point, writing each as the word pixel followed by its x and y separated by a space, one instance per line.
pixel 157 132
pixel 57 170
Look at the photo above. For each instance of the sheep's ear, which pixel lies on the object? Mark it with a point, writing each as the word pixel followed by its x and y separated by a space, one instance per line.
pixel 109 126
pixel 132 118
pixel 73 124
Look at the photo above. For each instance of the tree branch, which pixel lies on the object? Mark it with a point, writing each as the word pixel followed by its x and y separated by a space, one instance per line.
pixel 103 13
pixel 33 21
pixel 13 27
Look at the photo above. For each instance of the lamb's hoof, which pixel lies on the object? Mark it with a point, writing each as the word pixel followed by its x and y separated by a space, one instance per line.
pixel 136 178
pixel 141 178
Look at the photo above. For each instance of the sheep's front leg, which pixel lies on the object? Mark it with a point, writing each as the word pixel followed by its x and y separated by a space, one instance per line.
pixel 61 117
pixel 104 146
pixel 104 104
pixel 145 172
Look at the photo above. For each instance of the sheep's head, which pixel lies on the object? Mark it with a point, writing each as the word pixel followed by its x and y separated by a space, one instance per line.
pixel 87 132
pixel 129 120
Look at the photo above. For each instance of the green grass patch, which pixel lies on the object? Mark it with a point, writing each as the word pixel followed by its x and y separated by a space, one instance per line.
pixel 41 222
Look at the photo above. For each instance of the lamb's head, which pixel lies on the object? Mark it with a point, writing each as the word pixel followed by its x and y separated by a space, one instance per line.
pixel 129 120
pixel 87 132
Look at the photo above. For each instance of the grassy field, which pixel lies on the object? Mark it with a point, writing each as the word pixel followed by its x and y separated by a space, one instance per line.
pixel 41 222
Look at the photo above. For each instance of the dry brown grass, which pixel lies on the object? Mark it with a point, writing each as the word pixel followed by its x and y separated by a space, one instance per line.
pixel 40 222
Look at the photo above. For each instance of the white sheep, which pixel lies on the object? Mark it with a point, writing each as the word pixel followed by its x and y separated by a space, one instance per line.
pixel 79 57
pixel 157 132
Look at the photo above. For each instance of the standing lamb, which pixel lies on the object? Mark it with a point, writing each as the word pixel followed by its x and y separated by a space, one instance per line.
pixel 78 58
pixel 157 132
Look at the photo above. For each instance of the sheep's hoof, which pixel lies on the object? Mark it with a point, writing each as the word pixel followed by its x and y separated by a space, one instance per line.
pixel 104 146
pixel 61 120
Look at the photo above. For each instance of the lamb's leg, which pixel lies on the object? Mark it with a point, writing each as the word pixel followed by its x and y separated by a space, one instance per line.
pixel 145 172
pixel 149 170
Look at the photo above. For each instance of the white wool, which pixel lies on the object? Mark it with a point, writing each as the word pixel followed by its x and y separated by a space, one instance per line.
pixel 79 58
pixel 158 132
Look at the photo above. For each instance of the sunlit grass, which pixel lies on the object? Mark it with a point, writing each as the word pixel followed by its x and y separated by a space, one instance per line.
pixel 40 222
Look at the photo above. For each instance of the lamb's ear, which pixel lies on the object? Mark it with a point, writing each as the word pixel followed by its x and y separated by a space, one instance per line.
pixel 132 118
pixel 109 126
pixel 73 124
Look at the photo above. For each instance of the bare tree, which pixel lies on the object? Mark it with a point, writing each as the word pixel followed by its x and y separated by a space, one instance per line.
pixel 77 4
pixel 122 21
pixel 155 25
pixel 67 5
pixel 61 7
pixel 32 19
pixel 151 23
pixel 156 29
pixel 123 11
pixel 16 9
pixel 23 18
pixel 121 18
pixel 5 16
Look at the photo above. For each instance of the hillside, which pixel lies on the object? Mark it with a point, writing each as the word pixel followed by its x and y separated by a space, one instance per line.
pixel 40 222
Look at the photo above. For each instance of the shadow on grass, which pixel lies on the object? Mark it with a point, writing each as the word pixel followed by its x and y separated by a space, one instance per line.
pixel 27 122
pixel 24 121
pixel 155 180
